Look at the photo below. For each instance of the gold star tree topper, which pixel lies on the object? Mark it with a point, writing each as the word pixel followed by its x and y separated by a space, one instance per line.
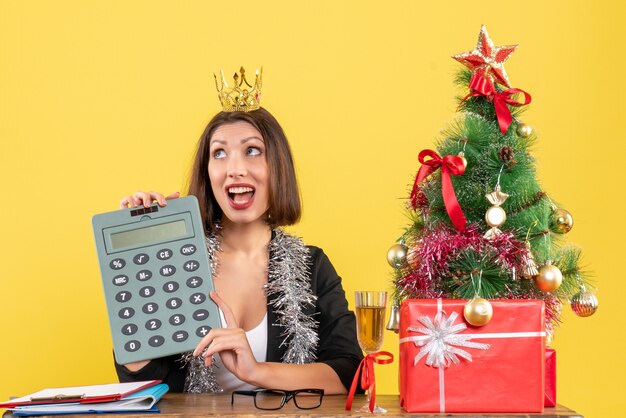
pixel 487 59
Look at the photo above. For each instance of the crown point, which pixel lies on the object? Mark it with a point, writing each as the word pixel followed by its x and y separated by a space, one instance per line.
pixel 224 83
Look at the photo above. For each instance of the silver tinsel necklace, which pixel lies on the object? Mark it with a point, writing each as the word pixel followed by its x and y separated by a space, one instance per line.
pixel 288 292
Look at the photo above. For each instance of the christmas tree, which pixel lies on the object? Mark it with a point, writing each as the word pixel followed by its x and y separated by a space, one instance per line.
pixel 481 227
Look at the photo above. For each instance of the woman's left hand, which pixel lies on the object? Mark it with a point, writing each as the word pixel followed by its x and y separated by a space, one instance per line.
pixel 230 343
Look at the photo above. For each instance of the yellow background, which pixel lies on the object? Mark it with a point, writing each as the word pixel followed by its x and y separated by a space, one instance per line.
pixel 102 98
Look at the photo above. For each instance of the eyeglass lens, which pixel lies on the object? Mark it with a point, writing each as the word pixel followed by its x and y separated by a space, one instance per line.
pixel 269 399
pixel 307 400
pixel 276 399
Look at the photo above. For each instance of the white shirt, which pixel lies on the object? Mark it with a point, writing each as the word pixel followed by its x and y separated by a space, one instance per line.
pixel 257 338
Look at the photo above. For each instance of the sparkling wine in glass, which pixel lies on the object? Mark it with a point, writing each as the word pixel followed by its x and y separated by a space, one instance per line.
pixel 370 325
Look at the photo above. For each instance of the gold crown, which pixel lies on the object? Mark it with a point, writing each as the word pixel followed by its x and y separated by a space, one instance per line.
pixel 242 97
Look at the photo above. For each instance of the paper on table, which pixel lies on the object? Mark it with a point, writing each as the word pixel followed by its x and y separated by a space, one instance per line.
pixel 144 401
pixel 80 394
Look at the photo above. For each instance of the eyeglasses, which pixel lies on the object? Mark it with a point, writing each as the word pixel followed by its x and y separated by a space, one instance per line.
pixel 272 399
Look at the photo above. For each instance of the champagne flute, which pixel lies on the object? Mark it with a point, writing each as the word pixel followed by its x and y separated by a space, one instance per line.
pixel 370 325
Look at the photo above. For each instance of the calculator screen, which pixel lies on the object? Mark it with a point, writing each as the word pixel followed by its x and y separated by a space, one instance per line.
pixel 149 235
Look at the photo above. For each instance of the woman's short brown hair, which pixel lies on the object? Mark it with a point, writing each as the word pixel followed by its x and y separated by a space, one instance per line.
pixel 284 196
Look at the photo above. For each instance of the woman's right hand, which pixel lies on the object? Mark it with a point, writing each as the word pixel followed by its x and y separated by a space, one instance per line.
pixel 146 199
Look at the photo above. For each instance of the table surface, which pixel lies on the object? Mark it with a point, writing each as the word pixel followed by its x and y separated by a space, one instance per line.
pixel 205 405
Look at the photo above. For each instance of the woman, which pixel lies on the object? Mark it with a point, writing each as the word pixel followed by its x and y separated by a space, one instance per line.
pixel 287 323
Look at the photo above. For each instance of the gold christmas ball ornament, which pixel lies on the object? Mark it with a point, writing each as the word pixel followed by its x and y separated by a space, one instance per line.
pixel 549 277
pixel 524 130
pixel 478 312
pixel 495 216
pixel 396 256
pixel 462 156
pixel 584 303
pixel 562 221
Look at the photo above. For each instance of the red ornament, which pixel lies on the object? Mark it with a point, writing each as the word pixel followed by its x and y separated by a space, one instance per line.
pixel 487 60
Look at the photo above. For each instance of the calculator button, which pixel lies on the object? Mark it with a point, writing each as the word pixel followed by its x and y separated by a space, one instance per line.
pixel 194 282
pixel 191 265
pixel 123 296
pixel 200 314
pixel 141 258
pixel 167 270
pixel 174 303
pixel 147 291
pixel 150 307
pixel 170 287
pixel 164 254
pixel 120 280
pixel 197 298
pixel 180 336
pixel 129 329
pixel 177 319
pixel 156 341
pixel 203 331
pixel 144 275
pixel 188 249
pixel 132 346
pixel 153 324
pixel 117 264
pixel 126 313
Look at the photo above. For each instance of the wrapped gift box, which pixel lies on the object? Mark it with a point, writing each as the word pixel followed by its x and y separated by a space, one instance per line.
pixel 550 399
pixel 498 367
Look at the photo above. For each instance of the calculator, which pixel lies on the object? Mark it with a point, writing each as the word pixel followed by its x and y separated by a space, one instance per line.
pixel 156 277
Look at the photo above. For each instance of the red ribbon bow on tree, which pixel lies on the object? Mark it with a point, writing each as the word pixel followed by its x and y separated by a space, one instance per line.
pixel 450 164
pixel 368 381
pixel 481 86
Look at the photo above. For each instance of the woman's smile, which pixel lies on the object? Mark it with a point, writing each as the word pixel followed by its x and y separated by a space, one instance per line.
pixel 240 195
